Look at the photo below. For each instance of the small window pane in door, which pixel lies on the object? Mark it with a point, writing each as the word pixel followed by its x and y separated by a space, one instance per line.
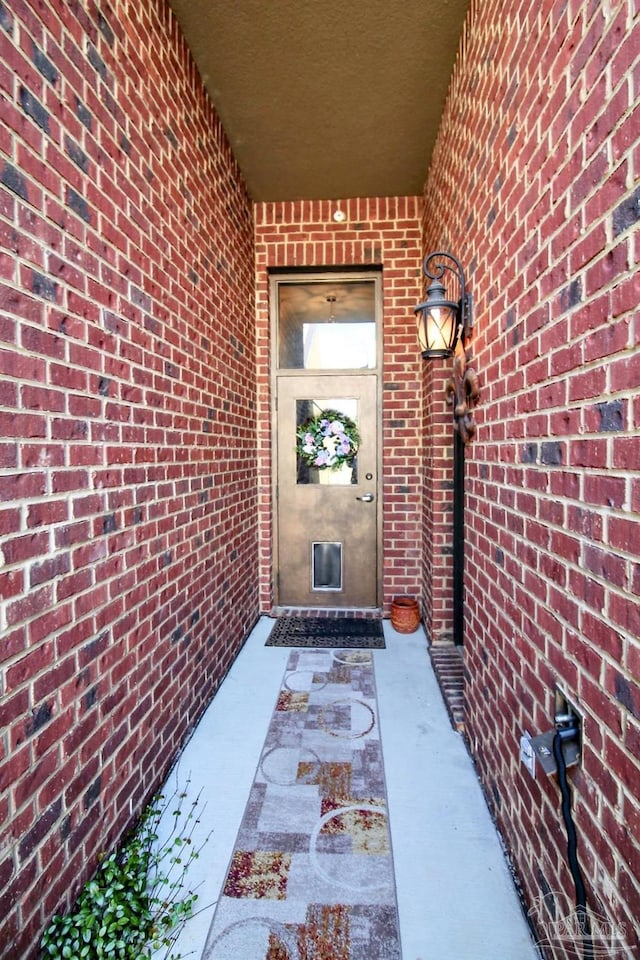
pixel 311 409
pixel 327 326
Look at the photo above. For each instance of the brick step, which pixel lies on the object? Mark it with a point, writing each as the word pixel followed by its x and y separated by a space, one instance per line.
pixel 448 665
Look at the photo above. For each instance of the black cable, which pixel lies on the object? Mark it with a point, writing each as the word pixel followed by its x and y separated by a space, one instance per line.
pixel 562 734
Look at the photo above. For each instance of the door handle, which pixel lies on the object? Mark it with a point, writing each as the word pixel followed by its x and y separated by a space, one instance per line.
pixel 366 497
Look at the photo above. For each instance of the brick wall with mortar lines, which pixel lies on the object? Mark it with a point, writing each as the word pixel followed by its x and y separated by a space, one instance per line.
pixel 437 504
pixel 534 187
pixel 128 530
pixel 382 232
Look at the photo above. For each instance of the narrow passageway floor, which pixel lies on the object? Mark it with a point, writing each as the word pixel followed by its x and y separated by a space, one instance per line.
pixel 455 894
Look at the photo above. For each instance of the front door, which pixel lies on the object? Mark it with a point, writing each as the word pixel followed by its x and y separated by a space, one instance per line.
pixel 328 518
pixel 327 335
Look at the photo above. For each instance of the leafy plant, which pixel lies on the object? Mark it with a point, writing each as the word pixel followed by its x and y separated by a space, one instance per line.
pixel 137 903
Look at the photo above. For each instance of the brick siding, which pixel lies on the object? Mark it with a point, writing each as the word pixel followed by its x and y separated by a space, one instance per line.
pixel 128 529
pixel 534 187
pixel 376 232
pixel 135 525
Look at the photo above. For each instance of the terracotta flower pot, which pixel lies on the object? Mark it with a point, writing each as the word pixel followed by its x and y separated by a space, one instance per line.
pixel 405 614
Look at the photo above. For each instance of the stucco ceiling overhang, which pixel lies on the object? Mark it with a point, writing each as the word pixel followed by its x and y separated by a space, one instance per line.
pixel 326 98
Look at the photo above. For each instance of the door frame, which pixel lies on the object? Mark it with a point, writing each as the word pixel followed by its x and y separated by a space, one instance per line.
pixel 328 276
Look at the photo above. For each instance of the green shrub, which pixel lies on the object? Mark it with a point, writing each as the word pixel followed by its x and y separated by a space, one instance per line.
pixel 137 902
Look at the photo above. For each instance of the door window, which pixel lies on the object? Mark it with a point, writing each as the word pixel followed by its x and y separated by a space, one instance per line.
pixel 327 326
pixel 319 437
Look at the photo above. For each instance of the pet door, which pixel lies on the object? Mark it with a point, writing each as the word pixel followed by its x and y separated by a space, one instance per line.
pixel 326 566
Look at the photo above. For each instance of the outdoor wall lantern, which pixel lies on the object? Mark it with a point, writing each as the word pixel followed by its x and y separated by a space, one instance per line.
pixel 441 322
pixel 444 324
pixel 444 330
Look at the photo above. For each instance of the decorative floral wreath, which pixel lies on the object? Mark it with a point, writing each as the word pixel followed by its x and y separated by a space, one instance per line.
pixel 328 440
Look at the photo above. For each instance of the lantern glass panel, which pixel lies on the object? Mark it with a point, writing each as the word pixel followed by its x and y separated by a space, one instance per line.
pixel 437 330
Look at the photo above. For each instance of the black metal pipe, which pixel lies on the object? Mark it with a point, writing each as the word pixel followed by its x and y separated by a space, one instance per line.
pixel 458 539
pixel 562 734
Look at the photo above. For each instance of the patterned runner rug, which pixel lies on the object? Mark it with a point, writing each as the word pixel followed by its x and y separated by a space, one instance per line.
pixel 311 876
pixel 352 632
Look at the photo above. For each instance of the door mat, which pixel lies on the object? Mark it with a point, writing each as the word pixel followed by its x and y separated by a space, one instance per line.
pixel 311 874
pixel 349 632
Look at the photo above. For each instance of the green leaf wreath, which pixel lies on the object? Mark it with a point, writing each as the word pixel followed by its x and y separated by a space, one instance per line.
pixel 328 440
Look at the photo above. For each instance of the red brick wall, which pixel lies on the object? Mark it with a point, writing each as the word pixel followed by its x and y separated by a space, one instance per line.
pixel 128 530
pixel 437 504
pixel 534 187
pixel 384 232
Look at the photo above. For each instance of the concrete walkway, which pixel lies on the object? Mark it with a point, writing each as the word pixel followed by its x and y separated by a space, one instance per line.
pixel 456 899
